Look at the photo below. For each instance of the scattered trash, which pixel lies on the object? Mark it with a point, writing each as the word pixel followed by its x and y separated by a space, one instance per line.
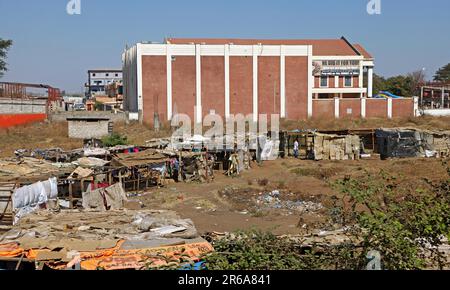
pixel 113 226
pixel 133 194
pixel 273 200
pixel 65 204
pixel 251 200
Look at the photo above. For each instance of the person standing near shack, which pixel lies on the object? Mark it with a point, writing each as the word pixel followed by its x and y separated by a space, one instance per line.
pixel 175 168
pixel 296 148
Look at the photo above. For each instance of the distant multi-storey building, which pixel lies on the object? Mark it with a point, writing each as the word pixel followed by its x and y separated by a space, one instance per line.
pixel 296 79
pixel 99 79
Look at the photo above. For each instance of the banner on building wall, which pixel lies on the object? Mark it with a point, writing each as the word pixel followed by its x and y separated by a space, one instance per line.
pixel 336 68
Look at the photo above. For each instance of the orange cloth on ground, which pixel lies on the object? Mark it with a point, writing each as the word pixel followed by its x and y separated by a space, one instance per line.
pixel 10 250
pixel 153 257
pixel 117 259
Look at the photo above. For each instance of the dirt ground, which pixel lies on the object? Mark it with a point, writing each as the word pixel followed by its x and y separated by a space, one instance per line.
pixel 286 196
pixel 228 204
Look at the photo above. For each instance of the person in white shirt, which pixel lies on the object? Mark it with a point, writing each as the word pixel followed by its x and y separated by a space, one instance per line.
pixel 296 148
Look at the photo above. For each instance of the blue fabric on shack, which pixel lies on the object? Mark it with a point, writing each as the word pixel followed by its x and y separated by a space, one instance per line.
pixel 196 267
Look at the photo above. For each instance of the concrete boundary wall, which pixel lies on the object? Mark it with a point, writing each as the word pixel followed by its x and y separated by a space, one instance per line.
pixel 365 108
pixel 18 106
pixel 114 117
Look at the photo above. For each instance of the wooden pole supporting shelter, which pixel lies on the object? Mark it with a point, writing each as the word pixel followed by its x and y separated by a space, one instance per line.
pixel 180 160
pixel 71 195
pixel 139 182
pixel 20 261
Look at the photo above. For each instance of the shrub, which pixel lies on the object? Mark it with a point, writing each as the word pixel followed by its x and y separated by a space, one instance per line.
pixel 254 250
pixel 115 140
pixel 258 250
pixel 405 225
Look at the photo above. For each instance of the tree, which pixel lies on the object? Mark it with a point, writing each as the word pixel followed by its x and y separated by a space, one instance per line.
pixel 4 47
pixel 401 85
pixel 378 84
pixel 417 79
pixel 443 74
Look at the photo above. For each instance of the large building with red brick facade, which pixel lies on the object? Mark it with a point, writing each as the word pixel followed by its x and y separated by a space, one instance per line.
pixel 297 79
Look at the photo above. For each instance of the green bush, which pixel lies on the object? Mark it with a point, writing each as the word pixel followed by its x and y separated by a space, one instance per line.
pixel 258 250
pixel 254 250
pixel 115 139
pixel 398 222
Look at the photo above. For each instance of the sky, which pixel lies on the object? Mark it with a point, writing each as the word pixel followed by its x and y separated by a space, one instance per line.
pixel 55 48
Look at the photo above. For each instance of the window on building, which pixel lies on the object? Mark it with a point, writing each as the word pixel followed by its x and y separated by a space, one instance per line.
pixel 324 81
pixel 93 75
pixel 348 81
pixel 117 75
pixel 107 75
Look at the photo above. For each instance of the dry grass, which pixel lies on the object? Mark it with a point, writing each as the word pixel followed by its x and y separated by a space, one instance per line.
pixel 138 134
pixel 51 135
pixel 429 123
pixel 319 173
pixel 40 135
